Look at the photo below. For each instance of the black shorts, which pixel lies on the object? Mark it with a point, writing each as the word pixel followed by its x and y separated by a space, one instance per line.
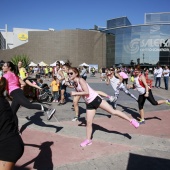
pixel 94 104
pixel 63 87
pixel 11 149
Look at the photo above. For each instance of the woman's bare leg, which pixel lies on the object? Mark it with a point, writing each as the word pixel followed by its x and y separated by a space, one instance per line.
pixel 89 118
pixel 76 106
pixel 6 165
pixel 105 106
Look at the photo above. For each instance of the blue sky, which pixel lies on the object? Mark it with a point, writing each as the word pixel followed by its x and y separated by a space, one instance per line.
pixel 72 14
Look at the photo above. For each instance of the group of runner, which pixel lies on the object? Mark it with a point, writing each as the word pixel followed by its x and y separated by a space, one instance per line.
pixel 68 77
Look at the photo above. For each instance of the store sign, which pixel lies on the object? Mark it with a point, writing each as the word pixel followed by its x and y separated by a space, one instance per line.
pixel 146 45
pixel 23 36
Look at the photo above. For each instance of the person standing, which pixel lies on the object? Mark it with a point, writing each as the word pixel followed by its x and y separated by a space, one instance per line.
pixel 123 75
pixel 22 71
pixel 83 73
pixel 55 88
pixel 11 143
pixel 166 76
pixel 158 76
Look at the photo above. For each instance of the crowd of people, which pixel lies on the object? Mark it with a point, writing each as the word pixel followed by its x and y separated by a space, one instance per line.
pixel 14 78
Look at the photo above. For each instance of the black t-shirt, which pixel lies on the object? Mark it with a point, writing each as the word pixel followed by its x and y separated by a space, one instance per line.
pixel 8 125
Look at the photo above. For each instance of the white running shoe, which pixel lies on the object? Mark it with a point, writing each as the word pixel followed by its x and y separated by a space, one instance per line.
pixel 114 106
pixel 74 119
pixel 50 113
pixel 112 99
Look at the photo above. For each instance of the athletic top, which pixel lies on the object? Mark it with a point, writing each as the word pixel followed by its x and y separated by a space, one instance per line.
pixel 139 85
pixel 46 70
pixel 115 83
pixel 123 75
pixel 12 81
pixel 90 97
pixel 22 73
pixel 8 125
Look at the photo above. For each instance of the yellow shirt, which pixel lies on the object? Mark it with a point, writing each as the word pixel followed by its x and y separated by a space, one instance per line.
pixel 51 69
pixel 54 85
pixel 46 70
pixel 22 73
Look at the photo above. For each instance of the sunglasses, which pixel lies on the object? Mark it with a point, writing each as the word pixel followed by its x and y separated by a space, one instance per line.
pixel 71 73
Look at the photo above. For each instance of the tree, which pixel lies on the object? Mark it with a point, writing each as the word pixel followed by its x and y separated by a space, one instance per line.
pixel 24 58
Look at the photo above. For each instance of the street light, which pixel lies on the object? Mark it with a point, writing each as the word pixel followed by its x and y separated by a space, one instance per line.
pixel 143 58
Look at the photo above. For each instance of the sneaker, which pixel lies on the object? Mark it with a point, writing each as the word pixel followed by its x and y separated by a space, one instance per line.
pixel 74 119
pixel 114 106
pixel 50 113
pixel 112 99
pixel 134 123
pixel 85 143
pixel 54 101
pixel 141 122
pixel 168 101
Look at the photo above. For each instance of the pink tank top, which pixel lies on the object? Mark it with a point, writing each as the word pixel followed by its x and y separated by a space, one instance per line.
pixel 90 97
pixel 12 81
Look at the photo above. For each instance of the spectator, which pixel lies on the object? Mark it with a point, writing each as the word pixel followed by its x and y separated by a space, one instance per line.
pixel 83 73
pixel 158 76
pixel 166 76
pixel 55 88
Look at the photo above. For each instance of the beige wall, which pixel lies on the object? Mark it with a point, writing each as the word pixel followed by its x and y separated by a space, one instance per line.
pixel 76 45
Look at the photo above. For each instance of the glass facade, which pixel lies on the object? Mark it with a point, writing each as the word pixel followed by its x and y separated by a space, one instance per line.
pixel 2 42
pixel 140 43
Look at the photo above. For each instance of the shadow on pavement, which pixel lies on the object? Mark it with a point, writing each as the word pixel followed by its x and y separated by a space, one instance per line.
pixel 140 162
pixel 98 127
pixel 43 160
pixel 131 111
pixel 35 119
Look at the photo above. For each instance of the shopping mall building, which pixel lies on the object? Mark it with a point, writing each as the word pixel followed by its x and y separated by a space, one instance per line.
pixel 119 42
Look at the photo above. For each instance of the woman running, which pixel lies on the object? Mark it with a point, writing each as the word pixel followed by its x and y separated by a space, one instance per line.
pixel 14 90
pixel 145 92
pixel 11 144
pixel 93 101
pixel 115 80
pixel 76 98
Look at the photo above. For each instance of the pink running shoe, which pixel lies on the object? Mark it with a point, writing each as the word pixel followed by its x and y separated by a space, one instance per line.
pixel 134 123
pixel 85 143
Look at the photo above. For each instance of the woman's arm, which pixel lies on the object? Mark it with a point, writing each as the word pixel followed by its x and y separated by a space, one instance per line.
pixel 119 77
pixel 84 87
pixel 145 84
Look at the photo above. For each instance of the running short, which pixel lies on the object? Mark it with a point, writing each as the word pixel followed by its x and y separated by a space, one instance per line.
pixel 11 149
pixel 94 104
pixel 63 87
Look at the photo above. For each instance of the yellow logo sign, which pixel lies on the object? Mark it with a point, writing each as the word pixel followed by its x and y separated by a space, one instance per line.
pixel 22 36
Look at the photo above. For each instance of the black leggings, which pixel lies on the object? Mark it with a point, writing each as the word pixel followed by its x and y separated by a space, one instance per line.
pixel 20 99
pixel 150 98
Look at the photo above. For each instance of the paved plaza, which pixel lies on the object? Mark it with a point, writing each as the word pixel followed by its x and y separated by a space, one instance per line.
pixel 117 145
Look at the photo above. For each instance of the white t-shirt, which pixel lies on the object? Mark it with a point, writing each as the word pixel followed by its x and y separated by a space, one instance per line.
pixel 167 73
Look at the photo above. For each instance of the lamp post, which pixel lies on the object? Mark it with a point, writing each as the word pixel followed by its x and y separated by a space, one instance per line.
pixel 143 57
